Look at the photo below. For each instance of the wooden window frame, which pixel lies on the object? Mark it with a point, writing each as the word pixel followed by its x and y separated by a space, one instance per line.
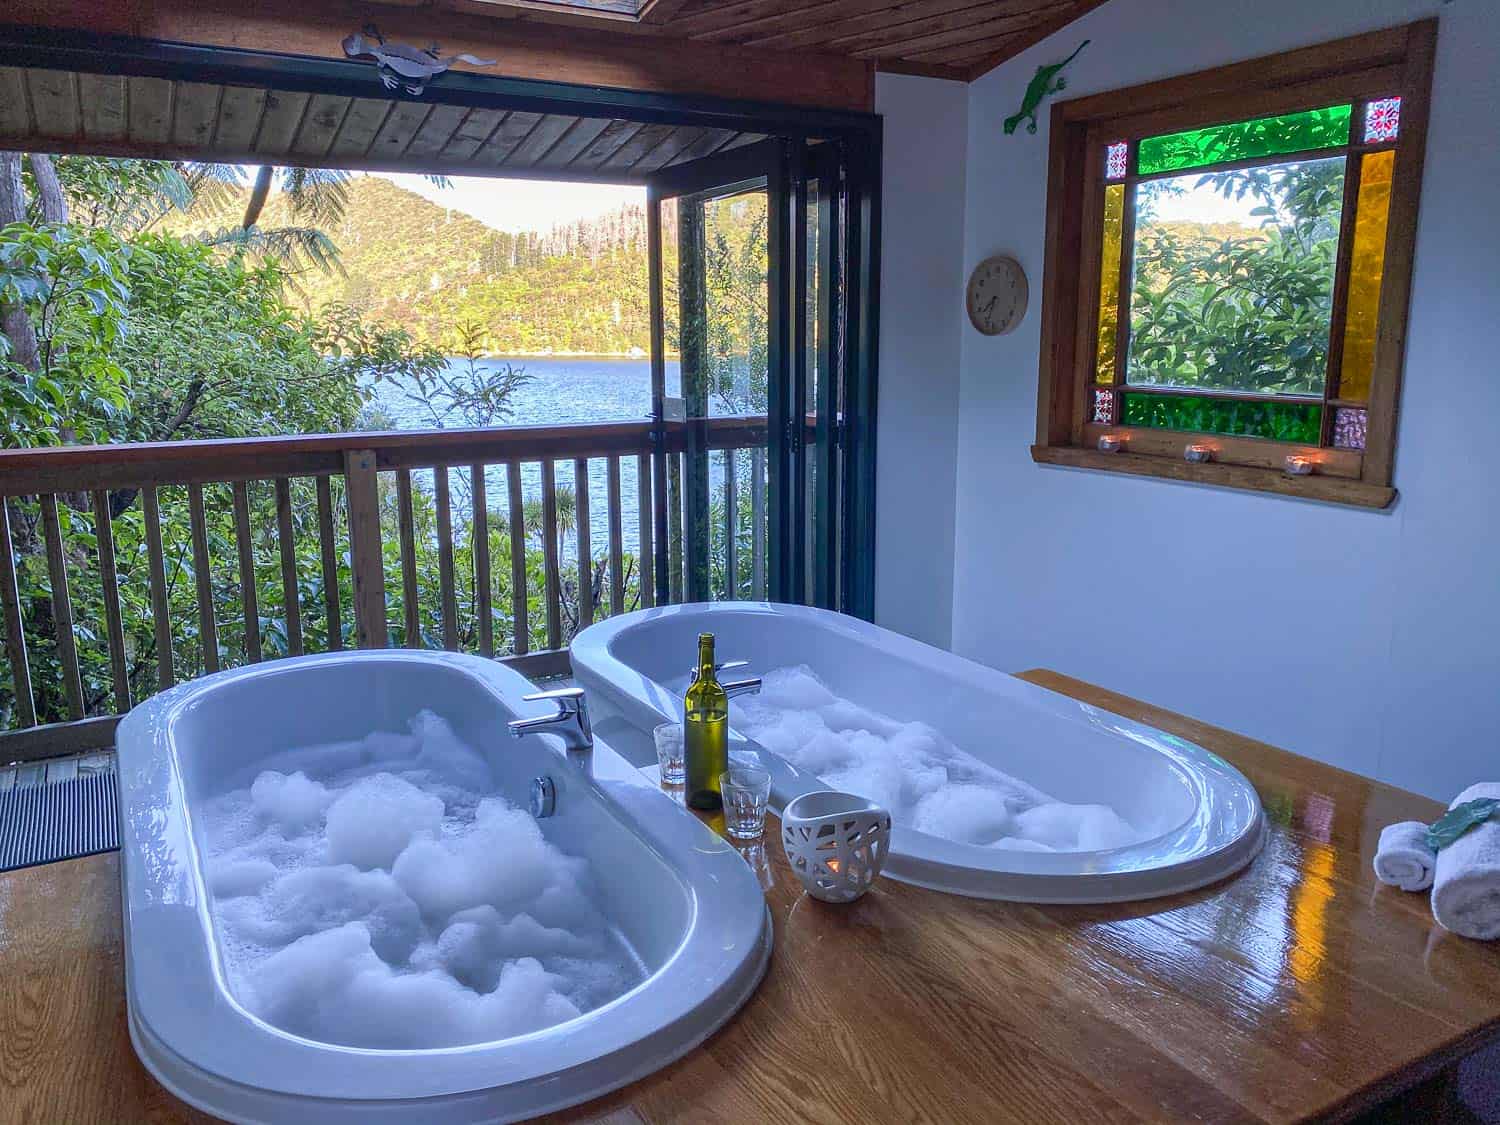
pixel 1394 61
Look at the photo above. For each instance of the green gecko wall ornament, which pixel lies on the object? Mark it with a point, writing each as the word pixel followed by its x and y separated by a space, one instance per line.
pixel 1042 83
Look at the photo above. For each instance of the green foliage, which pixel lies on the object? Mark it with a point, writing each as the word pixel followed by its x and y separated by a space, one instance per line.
pixel 147 331
pixel 1235 308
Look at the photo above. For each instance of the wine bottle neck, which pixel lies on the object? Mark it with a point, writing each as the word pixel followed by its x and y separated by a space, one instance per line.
pixel 705 657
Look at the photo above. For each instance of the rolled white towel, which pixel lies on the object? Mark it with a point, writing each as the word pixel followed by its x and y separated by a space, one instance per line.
pixel 1403 859
pixel 1466 884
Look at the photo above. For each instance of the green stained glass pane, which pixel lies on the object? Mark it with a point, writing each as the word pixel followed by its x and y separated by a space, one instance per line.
pixel 1245 140
pixel 1300 422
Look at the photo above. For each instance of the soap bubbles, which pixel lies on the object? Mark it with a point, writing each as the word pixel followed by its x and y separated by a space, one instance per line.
pixel 377 893
pixel 925 781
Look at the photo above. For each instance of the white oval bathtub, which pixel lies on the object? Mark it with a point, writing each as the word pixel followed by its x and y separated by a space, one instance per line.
pixel 681 900
pixel 1204 818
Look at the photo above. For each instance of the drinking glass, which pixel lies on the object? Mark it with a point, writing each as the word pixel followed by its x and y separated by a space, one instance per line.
pixel 746 790
pixel 669 753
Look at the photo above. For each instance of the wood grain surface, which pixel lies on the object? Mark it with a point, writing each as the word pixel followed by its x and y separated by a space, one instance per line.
pixel 1299 989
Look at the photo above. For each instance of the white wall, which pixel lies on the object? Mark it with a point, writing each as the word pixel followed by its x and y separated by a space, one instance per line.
pixel 922 247
pixel 1367 639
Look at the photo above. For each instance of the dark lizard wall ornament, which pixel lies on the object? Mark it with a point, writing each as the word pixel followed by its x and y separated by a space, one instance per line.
pixel 1045 81
pixel 402 67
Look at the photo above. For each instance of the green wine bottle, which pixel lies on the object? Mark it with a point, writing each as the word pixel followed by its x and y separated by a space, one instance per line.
pixel 706 731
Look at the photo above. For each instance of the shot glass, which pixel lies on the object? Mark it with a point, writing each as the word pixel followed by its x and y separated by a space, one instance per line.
pixel 670 753
pixel 746 790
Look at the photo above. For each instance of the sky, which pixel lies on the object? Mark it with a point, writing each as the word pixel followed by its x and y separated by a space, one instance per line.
pixel 1203 205
pixel 517 205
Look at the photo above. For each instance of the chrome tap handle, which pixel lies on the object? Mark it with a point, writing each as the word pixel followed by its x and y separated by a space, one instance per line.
pixel 563 695
pixel 724 667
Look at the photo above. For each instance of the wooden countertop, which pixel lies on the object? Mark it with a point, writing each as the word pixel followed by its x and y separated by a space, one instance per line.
pixel 1298 989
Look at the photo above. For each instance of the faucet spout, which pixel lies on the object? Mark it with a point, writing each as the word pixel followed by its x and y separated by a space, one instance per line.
pixel 741 687
pixel 570 721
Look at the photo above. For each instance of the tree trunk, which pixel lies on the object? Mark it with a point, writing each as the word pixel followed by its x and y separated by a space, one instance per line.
pixel 49 194
pixel 258 195
pixel 14 322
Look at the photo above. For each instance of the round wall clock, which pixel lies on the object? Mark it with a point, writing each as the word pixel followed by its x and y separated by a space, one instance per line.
pixel 997 295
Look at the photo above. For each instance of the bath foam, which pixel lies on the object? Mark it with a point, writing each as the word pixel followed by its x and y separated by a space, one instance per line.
pixel 374 894
pixel 927 783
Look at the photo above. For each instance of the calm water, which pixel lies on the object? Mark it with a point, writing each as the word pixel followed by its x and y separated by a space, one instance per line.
pixel 560 391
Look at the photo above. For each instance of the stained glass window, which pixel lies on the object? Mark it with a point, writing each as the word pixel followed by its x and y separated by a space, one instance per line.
pixel 1300 422
pixel 1114 160
pixel 1382 120
pixel 1244 140
pixel 1349 424
pixel 1366 267
pixel 1104 405
pixel 1109 284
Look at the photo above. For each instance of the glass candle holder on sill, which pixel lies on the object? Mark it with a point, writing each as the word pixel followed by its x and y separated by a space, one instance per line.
pixel 1198 452
pixel 1111 443
pixel 1298 465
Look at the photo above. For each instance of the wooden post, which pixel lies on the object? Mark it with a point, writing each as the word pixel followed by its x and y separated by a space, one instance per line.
pixel 362 494
pixel 15 628
pixel 585 546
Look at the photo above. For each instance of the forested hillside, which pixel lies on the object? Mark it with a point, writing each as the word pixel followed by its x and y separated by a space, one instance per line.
pixel 432 270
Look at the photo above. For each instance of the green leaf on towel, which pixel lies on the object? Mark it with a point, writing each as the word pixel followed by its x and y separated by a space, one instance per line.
pixel 1458 820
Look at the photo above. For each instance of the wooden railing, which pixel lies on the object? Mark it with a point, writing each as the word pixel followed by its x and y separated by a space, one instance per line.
pixel 124 569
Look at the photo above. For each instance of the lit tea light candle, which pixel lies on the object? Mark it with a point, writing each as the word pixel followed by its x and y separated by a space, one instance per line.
pixel 1198 452
pixel 1300 466
pixel 1111 443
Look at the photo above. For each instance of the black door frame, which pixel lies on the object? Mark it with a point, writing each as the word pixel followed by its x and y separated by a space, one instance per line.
pixel 846 212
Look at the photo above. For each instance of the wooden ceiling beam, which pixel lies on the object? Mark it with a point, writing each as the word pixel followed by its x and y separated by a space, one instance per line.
pixel 1028 38
pixel 525 48
pixel 892 23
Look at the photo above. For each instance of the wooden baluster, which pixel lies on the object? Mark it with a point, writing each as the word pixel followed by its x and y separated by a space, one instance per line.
pixel 674 528
pixel 757 522
pixel 549 554
pixel 731 527
pixel 62 607
pixel 328 545
pixel 161 620
pixel 520 612
pixel 208 629
pixel 362 494
pixel 15 627
pixel 585 547
pixel 443 504
pixel 481 527
pixel 109 581
pixel 411 609
pixel 646 561
pixel 287 542
pixel 616 541
pixel 249 602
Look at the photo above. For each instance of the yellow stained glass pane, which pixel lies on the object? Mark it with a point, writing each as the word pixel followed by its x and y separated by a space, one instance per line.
pixel 1366 264
pixel 1109 284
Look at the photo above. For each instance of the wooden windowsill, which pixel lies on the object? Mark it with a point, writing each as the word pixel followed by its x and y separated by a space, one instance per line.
pixel 1332 490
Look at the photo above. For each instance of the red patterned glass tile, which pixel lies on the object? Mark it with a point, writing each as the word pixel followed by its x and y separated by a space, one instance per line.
pixel 1114 160
pixel 1104 406
pixel 1349 428
pixel 1382 120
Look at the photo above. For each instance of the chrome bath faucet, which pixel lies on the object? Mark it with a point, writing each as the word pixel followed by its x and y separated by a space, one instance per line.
pixel 570 721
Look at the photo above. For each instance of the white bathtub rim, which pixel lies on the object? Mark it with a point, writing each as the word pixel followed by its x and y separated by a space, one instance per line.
pixel 457 1071
pixel 1176 860
pixel 248 1105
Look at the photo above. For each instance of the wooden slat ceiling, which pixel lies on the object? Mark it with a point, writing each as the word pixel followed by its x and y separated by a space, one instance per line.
pixel 62 111
pixel 958 39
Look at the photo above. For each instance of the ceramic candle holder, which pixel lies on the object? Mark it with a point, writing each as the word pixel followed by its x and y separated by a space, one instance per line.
pixel 836 843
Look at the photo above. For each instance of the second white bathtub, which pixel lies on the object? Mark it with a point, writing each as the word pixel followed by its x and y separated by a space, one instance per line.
pixel 1205 818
